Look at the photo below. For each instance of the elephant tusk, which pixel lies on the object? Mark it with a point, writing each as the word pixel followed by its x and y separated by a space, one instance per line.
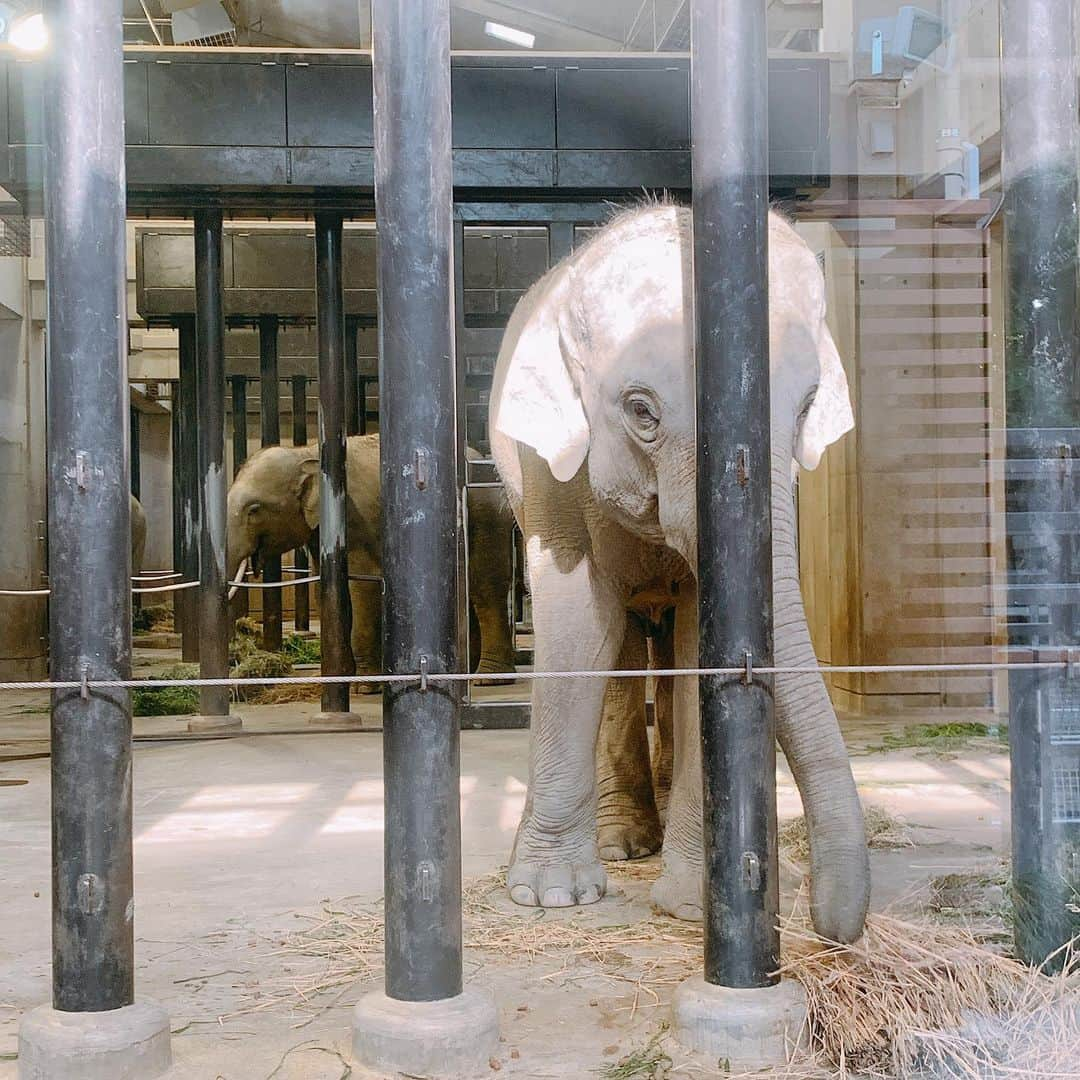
pixel 241 570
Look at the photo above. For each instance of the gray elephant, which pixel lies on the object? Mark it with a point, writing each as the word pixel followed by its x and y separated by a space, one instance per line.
pixel 138 536
pixel 593 432
pixel 273 507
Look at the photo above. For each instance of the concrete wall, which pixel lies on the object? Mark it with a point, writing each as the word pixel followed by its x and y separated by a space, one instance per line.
pixel 23 621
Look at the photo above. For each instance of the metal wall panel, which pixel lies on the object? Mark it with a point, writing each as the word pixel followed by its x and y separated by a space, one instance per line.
pixel 525 115
pixel 631 109
pixel 330 105
pixel 223 104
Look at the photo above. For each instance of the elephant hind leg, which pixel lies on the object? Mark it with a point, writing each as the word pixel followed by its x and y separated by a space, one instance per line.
pixel 366 638
pixel 628 826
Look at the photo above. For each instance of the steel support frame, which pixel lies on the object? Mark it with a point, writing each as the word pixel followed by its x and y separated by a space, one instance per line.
pixel 270 428
pixel 301 594
pixel 1040 144
pixel 413 210
pixel 210 359
pixel 729 101
pixel 335 615
pixel 186 479
pixel 88 401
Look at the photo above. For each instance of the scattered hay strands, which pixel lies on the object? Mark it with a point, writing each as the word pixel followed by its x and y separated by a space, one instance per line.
pixel 898 1003
pixel 883 830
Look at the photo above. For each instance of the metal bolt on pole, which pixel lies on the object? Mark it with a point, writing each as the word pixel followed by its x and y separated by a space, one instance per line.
pixel 729 103
pixel 302 619
pixel 335 612
pixel 425 1022
pixel 270 423
pixel 88 401
pixel 1040 144
pixel 210 361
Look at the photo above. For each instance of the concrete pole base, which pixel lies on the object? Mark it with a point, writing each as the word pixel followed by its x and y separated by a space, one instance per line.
pixel 348 720
pixel 745 1029
pixel 453 1037
pixel 131 1043
pixel 212 724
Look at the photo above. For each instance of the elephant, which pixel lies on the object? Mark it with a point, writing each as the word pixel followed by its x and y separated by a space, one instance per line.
pixel 273 507
pixel 592 420
pixel 138 536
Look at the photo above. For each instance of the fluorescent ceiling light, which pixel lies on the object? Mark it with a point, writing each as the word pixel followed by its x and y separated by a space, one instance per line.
pixel 509 34
pixel 30 34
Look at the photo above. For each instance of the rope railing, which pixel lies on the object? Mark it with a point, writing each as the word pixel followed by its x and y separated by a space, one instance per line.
pixel 426 678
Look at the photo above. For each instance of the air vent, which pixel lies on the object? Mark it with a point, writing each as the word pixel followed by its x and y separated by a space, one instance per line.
pixel 206 25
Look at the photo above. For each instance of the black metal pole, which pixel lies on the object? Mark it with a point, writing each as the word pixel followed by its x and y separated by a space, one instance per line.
pixel 335 616
pixel 352 380
pixel 136 454
pixel 186 477
pixel 1040 143
pixel 242 603
pixel 413 211
pixel 729 99
pixel 239 421
pixel 210 356
pixel 270 418
pixel 301 596
pixel 93 960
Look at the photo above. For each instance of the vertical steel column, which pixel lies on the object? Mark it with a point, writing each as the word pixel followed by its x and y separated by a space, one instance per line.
pixel 89 507
pixel 1040 143
pixel 335 615
pixel 136 454
pixel 241 605
pixel 270 404
pixel 352 379
pixel 301 597
pixel 210 356
pixel 560 241
pixel 186 477
pixel 239 421
pixel 413 211
pixel 175 451
pixel 729 101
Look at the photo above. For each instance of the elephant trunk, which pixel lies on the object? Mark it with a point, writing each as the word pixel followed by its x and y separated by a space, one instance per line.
pixel 809 735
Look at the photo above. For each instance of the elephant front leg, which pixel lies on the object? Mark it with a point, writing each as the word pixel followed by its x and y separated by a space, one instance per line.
pixel 679 889
pixel 628 826
pixel 663 751
pixel 490 578
pixel 366 640
pixel 578 626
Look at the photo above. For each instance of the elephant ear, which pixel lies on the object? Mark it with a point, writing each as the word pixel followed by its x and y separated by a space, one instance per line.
pixel 539 404
pixel 308 492
pixel 829 416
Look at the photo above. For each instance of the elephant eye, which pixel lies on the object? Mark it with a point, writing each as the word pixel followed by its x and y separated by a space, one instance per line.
pixel 642 413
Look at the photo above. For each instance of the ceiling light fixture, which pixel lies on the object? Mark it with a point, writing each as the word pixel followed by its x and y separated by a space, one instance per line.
pixel 29 33
pixel 510 35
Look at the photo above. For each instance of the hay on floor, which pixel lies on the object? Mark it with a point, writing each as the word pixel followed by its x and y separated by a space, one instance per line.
pixel 899 1002
pixel 883 830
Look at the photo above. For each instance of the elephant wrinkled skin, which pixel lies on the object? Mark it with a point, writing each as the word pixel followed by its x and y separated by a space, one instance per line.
pixel 273 507
pixel 138 536
pixel 593 432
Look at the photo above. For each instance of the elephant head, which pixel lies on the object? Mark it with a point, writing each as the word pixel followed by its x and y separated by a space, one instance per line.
pixel 601 379
pixel 273 506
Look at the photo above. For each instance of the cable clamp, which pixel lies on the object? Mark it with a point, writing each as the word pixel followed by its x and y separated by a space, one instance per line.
pixel 748 671
pixel 423 674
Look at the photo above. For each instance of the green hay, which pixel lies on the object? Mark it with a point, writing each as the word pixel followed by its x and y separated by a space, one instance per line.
pixel 152 617
pixel 944 739
pixel 302 650
pixel 650 1062
pixel 257 664
pixel 168 700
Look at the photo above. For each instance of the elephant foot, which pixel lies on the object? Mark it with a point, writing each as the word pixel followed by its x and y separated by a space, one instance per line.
pixel 678 890
pixel 632 839
pixel 492 666
pixel 550 873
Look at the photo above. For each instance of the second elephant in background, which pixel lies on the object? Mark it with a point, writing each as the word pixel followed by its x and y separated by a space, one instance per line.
pixel 274 508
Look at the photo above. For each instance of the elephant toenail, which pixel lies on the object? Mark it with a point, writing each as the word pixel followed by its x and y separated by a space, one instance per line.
pixel 558 897
pixel 522 894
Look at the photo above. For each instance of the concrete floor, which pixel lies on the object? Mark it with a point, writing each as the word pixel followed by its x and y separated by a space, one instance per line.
pixel 234 838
